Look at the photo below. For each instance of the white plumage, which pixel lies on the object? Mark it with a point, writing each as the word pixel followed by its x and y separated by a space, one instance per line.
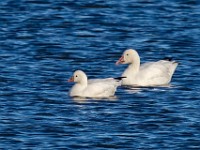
pixel 148 74
pixel 94 87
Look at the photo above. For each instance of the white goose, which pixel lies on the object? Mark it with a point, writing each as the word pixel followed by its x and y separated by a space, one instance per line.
pixel 93 88
pixel 148 74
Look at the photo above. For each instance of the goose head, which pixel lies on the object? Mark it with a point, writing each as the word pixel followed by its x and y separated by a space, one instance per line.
pixel 129 56
pixel 78 77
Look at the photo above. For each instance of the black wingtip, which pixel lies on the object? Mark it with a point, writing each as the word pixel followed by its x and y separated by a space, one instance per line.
pixel 168 58
pixel 175 62
pixel 119 78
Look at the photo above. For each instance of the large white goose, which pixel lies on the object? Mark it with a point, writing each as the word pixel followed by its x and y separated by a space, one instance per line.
pixel 148 74
pixel 94 87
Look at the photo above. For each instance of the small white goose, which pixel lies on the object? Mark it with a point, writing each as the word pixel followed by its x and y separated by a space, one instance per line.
pixel 94 87
pixel 148 74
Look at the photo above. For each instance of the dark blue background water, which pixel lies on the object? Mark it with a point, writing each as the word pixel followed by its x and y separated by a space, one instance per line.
pixel 43 41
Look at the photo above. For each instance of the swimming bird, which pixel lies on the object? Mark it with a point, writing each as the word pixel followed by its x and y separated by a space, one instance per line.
pixel 93 87
pixel 148 74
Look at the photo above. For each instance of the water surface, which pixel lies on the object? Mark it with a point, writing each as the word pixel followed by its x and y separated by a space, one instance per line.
pixel 43 42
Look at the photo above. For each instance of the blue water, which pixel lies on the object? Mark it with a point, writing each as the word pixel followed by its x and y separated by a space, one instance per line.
pixel 43 42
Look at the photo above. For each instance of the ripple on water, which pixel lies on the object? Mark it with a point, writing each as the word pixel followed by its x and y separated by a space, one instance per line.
pixel 43 42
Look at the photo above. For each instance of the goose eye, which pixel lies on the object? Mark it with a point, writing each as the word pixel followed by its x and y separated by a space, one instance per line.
pixel 126 54
pixel 76 76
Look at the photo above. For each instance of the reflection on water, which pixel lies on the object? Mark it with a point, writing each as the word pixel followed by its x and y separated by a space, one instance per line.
pixel 87 99
pixel 132 90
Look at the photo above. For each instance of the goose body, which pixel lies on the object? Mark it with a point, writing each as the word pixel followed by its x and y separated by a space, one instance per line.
pixel 94 87
pixel 148 74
